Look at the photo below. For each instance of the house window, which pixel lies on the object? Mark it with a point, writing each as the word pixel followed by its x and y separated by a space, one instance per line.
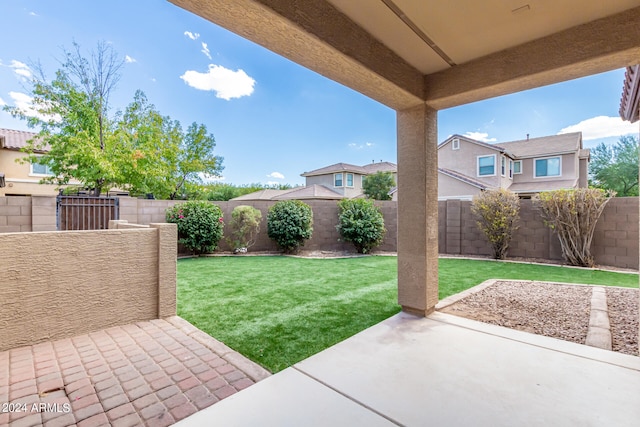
pixel 43 169
pixel 503 166
pixel 349 180
pixel 455 144
pixel 337 180
pixel 550 166
pixel 510 168
pixel 517 167
pixel 487 165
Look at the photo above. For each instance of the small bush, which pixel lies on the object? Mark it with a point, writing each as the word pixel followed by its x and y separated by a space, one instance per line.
pixel 378 185
pixel 497 212
pixel 244 225
pixel 290 223
pixel 199 223
pixel 361 223
pixel 573 215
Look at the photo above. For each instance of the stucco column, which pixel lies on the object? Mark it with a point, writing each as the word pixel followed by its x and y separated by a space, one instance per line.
pixel 167 268
pixel 417 210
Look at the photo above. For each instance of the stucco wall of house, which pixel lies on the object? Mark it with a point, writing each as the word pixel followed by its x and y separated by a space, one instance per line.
pixel 465 160
pixel 583 181
pixel 18 177
pixel 451 187
pixel 60 284
pixel 569 169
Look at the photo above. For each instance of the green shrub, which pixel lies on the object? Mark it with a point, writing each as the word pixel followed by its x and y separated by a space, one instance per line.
pixel 199 223
pixel 573 215
pixel 361 223
pixel 244 225
pixel 378 185
pixel 497 214
pixel 290 223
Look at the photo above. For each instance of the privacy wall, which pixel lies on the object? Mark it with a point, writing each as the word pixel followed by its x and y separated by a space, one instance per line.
pixel 615 241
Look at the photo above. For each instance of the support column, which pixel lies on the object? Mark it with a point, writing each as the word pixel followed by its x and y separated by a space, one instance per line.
pixel 417 210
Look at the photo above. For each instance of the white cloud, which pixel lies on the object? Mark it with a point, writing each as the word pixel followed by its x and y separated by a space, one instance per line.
pixel 275 175
pixel 480 136
pixel 601 127
pixel 206 50
pixel 226 83
pixel 210 178
pixel 25 103
pixel 192 36
pixel 272 183
pixel 128 59
pixel 33 14
pixel 356 146
pixel 21 69
pixel 2 103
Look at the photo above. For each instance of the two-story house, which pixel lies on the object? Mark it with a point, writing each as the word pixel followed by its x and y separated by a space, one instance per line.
pixel 526 167
pixel 347 179
pixel 21 178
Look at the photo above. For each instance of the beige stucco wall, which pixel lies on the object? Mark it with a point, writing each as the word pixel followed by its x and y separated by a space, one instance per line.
pixel 465 161
pixel 327 181
pixel 451 187
pixel 60 284
pixel 19 180
pixel 569 169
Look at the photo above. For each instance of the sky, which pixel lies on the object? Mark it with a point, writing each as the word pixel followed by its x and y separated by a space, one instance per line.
pixel 272 119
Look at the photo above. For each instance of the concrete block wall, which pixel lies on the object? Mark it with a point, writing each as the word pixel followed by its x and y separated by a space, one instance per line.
pixel 615 241
pixel 15 214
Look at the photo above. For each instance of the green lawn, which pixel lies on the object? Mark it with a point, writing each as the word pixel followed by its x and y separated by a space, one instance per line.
pixel 280 310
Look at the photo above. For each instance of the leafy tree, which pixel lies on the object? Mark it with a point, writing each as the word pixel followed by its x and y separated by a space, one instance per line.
pixel 377 186
pixel 361 223
pixel 616 167
pixel 573 215
pixel 497 213
pixel 290 223
pixel 71 112
pixel 158 156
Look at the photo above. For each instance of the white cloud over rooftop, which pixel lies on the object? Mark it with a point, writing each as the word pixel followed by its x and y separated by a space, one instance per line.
pixel 276 175
pixel 480 136
pixel 601 127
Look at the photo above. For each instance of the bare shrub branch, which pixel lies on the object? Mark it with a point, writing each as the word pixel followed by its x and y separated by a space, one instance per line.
pixel 497 213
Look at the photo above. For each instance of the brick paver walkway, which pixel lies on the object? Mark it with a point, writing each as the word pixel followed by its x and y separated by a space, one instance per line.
pixel 149 373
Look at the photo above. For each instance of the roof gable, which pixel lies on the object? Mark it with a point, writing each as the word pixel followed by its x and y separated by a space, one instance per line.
pixel 12 139
pixel 464 178
pixel 472 141
pixel 336 168
pixel 544 146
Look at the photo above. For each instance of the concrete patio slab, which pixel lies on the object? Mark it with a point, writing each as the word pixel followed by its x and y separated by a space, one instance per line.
pixel 289 398
pixel 150 373
pixel 446 370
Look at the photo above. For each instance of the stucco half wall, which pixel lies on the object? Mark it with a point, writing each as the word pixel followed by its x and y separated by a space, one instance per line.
pixel 59 284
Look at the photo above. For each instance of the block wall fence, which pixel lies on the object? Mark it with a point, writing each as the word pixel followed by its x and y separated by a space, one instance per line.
pixel 615 241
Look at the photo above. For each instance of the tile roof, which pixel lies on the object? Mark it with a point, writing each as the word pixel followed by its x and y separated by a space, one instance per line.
pixel 464 178
pixel 338 167
pixel 268 194
pixel 544 146
pixel 15 139
pixel 630 101
pixel 311 192
pixel 536 187
pixel 381 167
pixel 473 141
pixel 300 193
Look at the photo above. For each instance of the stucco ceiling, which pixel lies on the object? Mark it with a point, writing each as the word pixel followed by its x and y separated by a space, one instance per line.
pixel 433 35
pixel 440 52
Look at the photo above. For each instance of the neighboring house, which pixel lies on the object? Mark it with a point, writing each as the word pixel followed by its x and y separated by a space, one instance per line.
pixel 526 167
pixel 347 179
pixel 21 179
pixel 334 182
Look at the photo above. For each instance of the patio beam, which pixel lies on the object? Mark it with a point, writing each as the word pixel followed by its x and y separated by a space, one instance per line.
pixel 417 210
pixel 595 47
pixel 318 36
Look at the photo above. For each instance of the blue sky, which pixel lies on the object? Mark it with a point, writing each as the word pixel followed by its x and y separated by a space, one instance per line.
pixel 271 118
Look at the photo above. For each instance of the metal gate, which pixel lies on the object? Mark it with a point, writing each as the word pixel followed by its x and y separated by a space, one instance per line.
pixel 86 212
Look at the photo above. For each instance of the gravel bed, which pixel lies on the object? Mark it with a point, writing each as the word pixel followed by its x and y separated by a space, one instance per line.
pixel 558 311
pixel 623 317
